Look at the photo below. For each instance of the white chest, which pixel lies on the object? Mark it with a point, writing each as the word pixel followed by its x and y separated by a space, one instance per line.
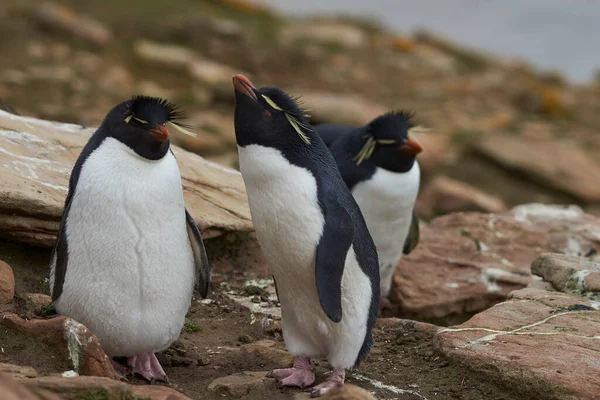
pixel 387 201
pixel 284 206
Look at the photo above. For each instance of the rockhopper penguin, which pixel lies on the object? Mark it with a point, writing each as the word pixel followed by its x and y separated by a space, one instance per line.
pixel 312 234
pixel 127 250
pixel 378 163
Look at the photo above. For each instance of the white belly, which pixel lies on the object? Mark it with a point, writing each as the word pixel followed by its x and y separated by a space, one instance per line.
pixel 130 273
pixel 387 201
pixel 289 224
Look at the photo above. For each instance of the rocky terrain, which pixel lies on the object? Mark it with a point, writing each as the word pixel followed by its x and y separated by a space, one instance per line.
pixel 498 301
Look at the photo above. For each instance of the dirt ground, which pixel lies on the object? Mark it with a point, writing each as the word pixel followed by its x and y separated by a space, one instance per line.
pixel 403 365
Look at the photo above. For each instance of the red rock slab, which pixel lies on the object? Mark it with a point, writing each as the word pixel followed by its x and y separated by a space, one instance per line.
pixel 539 343
pixel 466 262
pixel 556 164
pixel 70 338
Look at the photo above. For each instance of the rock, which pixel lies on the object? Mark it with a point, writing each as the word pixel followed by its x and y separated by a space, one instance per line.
pixel 241 384
pixel 65 19
pixel 164 54
pixel 248 6
pixel 339 108
pixel 151 88
pixel 205 144
pixel 70 338
pixel 267 350
pixel 7 283
pixel 437 152
pixel 38 156
pixel 542 344
pixel 568 273
pixel 18 371
pixel 61 74
pixel 445 195
pixel 182 58
pixel 211 73
pixel 335 33
pixel 36 301
pixel 466 262
pixel 557 165
pixel 75 388
pixel 403 44
pixel 13 390
pixel 348 392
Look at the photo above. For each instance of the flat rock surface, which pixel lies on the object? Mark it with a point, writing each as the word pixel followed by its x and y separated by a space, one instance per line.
pixel 556 164
pixel 466 262
pixel 544 343
pixel 37 158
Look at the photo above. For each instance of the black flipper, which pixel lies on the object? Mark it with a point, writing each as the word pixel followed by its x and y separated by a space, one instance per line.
pixel 200 258
pixel 413 234
pixel 60 254
pixel 338 234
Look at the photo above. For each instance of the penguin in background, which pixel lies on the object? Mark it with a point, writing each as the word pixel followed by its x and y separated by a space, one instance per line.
pixel 128 252
pixel 312 234
pixel 378 163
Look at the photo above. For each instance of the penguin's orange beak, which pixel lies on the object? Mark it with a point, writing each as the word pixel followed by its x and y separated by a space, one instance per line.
pixel 244 86
pixel 411 146
pixel 160 133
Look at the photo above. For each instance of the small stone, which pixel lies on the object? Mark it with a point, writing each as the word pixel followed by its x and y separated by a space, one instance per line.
pixel 241 384
pixel 7 283
pixel 36 302
pixel 348 391
pixel 568 273
pixel 267 350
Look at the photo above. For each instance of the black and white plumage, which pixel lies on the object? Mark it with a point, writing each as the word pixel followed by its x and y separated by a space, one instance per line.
pixel 378 163
pixel 312 234
pixel 128 252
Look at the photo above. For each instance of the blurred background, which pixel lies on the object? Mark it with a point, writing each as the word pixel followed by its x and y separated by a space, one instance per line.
pixel 509 89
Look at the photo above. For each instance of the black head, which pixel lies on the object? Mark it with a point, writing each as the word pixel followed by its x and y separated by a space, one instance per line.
pixel 387 142
pixel 141 123
pixel 269 117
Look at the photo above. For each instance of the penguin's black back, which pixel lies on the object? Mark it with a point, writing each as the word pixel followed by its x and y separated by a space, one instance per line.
pixel 345 142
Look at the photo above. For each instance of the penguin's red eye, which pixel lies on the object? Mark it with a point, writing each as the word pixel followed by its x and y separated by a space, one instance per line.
pixel 268 114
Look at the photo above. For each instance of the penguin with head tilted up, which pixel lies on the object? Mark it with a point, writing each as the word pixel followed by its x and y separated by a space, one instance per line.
pixel 312 234
pixel 378 163
pixel 127 251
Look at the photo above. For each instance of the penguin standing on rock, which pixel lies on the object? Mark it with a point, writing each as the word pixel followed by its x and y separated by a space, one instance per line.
pixel 127 251
pixel 312 233
pixel 378 163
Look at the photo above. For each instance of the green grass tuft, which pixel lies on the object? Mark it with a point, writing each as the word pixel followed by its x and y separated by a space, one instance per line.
pixel 191 326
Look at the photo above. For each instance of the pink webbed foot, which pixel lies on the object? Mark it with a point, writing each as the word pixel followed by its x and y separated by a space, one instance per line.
pixel 300 375
pixel 147 366
pixel 337 377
